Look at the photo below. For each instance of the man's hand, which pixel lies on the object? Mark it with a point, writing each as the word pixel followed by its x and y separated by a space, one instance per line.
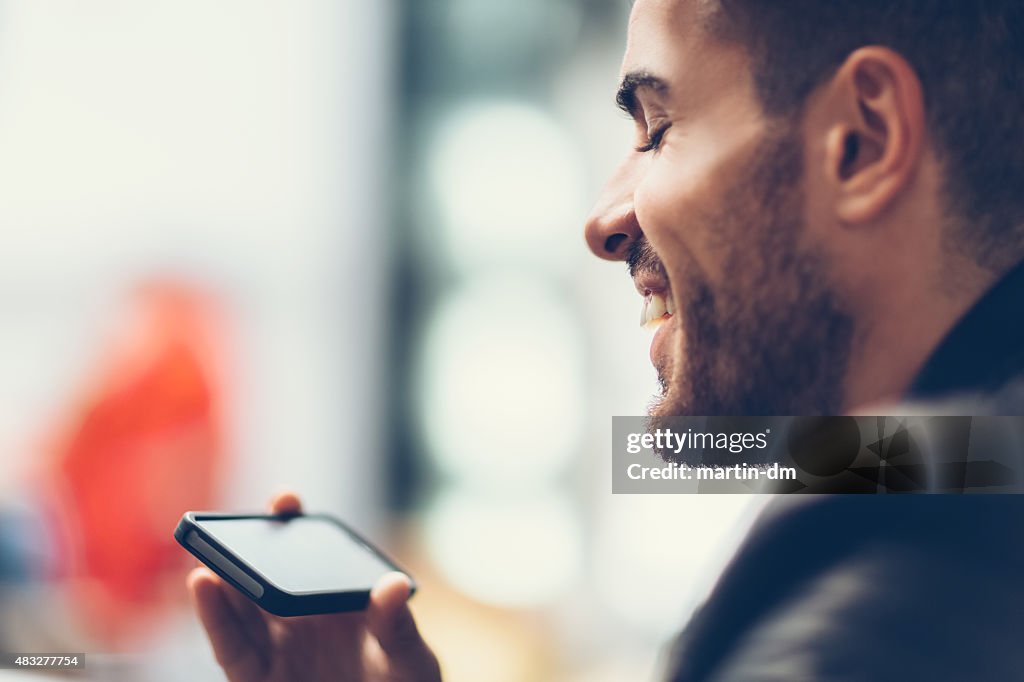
pixel 381 644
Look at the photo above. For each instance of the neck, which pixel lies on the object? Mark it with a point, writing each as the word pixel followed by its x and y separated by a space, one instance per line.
pixel 906 326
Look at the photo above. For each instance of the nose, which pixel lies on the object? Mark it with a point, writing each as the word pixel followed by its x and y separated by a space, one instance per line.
pixel 612 225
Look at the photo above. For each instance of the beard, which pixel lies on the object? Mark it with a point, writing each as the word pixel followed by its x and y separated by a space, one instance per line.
pixel 772 337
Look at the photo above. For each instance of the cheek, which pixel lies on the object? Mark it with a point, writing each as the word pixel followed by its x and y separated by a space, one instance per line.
pixel 682 190
pixel 674 203
pixel 668 203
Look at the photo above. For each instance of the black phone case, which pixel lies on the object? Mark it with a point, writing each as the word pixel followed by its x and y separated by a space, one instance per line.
pixel 248 580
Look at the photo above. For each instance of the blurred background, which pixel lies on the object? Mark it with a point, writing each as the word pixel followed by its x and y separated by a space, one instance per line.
pixel 334 247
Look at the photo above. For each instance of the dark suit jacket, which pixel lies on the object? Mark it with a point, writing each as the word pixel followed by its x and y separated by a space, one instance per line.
pixel 915 587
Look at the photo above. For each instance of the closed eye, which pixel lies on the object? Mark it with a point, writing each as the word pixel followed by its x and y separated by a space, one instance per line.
pixel 654 139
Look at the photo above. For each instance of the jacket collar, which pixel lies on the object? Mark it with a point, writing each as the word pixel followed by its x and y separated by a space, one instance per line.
pixel 984 350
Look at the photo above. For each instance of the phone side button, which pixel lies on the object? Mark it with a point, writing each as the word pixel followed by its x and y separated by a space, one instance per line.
pixel 210 554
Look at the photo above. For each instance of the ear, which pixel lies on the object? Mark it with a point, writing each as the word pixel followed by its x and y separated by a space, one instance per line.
pixel 875 134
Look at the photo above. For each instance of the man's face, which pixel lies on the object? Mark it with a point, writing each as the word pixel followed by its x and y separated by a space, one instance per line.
pixel 708 211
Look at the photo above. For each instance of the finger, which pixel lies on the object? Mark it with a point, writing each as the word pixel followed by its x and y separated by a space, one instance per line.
pixel 239 659
pixel 286 503
pixel 390 621
pixel 346 632
pixel 251 618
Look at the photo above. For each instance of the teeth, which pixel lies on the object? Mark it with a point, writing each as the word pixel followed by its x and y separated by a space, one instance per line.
pixel 655 310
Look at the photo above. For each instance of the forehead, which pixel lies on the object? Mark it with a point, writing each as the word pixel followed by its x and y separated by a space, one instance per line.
pixel 666 35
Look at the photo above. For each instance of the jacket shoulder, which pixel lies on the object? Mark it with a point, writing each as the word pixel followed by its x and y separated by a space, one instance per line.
pixel 863 587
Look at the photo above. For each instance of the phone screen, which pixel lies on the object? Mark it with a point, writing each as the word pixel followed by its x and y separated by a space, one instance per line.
pixel 301 554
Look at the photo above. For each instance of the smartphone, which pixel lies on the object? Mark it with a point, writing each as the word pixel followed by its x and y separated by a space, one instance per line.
pixel 290 565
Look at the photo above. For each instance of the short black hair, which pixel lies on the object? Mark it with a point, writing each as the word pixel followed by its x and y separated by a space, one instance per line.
pixel 969 56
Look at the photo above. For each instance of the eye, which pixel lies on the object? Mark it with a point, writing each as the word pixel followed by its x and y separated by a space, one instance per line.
pixel 654 138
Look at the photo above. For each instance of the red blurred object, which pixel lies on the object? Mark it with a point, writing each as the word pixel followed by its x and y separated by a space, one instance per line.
pixel 145 444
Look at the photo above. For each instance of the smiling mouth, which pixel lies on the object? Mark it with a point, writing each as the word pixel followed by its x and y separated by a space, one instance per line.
pixel 651 282
pixel 658 305
pixel 656 309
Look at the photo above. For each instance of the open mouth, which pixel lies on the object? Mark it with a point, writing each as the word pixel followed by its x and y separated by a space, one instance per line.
pixel 651 281
pixel 658 305
pixel 656 309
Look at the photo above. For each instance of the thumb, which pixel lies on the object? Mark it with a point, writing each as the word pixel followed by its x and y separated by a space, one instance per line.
pixel 390 621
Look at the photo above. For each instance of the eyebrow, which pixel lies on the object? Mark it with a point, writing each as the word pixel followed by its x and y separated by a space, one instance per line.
pixel 625 98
